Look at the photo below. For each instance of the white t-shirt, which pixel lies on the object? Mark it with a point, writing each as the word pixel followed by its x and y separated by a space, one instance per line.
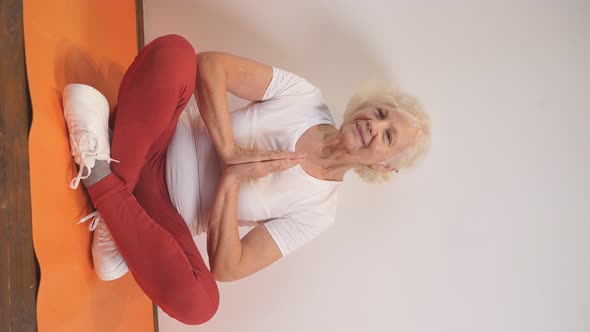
pixel 294 206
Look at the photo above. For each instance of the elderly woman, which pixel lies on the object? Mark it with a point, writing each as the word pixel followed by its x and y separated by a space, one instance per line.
pixel 276 164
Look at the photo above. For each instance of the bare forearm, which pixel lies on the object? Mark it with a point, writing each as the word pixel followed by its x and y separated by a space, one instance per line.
pixel 223 240
pixel 217 74
pixel 211 95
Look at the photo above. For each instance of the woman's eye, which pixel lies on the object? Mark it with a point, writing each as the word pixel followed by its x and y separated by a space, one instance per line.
pixel 389 137
pixel 381 114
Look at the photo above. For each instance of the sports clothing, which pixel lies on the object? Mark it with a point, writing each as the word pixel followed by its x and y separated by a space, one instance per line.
pixel 294 206
pixel 133 200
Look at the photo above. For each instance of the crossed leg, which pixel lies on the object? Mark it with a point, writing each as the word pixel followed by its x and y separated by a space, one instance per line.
pixel 133 200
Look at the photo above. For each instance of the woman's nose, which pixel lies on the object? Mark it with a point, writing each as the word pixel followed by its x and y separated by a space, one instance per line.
pixel 375 127
pixel 371 127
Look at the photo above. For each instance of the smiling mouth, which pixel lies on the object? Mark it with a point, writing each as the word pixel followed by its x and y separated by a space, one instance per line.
pixel 358 128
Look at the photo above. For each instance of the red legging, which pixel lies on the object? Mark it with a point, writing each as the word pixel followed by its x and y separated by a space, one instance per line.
pixel 133 200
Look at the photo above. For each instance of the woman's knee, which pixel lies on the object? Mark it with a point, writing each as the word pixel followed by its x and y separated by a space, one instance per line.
pixel 174 55
pixel 178 43
pixel 197 312
pixel 193 305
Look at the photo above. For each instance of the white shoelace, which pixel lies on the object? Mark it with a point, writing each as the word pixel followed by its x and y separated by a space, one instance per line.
pixel 84 153
pixel 96 218
pixel 96 227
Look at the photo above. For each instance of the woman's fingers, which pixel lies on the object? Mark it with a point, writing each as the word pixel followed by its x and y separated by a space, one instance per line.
pixel 283 164
pixel 285 154
pixel 263 155
pixel 245 155
pixel 251 171
pixel 278 165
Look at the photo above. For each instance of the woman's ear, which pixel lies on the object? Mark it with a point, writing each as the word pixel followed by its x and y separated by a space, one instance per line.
pixel 382 167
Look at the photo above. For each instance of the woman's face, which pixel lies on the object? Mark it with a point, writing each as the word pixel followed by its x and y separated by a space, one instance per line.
pixel 373 135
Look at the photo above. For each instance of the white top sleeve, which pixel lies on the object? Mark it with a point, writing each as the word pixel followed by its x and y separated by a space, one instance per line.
pixel 286 84
pixel 293 231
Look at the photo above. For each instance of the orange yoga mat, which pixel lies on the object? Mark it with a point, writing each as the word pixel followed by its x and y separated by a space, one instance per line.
pixel 91 42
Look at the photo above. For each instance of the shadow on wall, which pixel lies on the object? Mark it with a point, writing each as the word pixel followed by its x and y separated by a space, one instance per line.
pixel 323 48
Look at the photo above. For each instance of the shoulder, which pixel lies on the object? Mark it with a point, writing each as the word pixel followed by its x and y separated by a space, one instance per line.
pixel 285 84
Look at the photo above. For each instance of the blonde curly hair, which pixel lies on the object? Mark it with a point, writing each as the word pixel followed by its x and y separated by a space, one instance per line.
pixel 379 94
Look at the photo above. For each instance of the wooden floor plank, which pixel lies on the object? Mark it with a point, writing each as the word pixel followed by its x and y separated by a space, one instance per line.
pixel 18 270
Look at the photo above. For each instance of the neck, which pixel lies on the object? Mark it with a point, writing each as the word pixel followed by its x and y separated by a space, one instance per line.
pixel 329 156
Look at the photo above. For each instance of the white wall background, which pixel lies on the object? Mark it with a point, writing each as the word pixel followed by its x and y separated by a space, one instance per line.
pixel 491 232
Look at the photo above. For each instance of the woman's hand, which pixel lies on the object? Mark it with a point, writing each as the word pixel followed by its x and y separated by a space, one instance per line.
pixel 240 173
pixel 236 154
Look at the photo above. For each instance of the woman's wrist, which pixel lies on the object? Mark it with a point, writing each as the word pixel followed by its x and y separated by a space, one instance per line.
pixel 228 151
pixel 231 180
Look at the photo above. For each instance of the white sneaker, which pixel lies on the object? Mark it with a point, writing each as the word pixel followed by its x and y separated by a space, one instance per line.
pixel 87 116
pixel 108 262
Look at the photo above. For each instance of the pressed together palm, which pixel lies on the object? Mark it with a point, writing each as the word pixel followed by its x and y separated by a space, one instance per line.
pixel 244 164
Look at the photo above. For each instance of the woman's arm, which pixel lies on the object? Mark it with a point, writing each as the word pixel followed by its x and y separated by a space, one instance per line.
pixel 223 239
pixel 217 74
pixel 230 258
